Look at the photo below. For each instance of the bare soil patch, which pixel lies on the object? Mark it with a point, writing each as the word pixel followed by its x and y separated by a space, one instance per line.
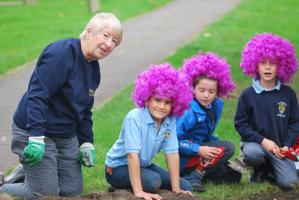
pixel 280 195
pixel 125 195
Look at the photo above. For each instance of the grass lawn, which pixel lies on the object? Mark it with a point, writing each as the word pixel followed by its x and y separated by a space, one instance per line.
pixel 227 37
pixel 26 30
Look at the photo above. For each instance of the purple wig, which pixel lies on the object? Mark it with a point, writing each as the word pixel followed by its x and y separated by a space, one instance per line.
pixel 273 47
pixel 212 66
pixel 165 82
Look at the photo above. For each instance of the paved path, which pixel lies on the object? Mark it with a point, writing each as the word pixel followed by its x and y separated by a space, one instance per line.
pixel 147 39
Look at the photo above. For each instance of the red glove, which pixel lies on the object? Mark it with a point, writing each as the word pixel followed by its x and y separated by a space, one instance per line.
pixel 295 147
pixel 290 154
pixel 202 163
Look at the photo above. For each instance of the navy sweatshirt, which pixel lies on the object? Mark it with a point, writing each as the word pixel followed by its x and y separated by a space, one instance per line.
pixel 60 94
pixel 271 114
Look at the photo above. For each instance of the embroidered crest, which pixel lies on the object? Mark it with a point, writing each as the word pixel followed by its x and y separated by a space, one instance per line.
pixel 91 92
pixel 281 108
pixel 167 133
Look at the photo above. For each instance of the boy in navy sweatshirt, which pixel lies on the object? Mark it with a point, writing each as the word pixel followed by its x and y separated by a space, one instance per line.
pixel 267 115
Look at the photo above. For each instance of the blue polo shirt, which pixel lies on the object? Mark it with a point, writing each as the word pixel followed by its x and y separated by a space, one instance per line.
pixel 139 135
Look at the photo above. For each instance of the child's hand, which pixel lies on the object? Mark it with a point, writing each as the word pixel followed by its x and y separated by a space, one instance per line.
pixel 270 146
pixel 208 152
pixel 148 196
pixel 178 190
pixel 280 154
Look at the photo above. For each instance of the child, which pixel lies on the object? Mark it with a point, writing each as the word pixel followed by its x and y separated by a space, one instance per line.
pixel 202 155
pixel 160 94
pixel 267 115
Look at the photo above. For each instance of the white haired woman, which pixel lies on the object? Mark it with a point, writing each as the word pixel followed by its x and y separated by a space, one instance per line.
pixel 52 125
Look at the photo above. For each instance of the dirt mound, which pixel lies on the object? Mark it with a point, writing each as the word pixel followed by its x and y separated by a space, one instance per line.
pixel 279 195
pixel 125 195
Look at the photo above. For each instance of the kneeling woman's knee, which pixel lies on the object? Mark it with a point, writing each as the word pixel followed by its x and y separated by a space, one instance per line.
pixel 71 191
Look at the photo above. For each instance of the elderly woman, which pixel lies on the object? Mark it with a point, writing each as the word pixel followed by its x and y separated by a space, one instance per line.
pixel 52 124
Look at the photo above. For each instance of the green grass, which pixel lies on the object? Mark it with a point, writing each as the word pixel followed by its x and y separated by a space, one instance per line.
pixel 26 30
pixel 227 36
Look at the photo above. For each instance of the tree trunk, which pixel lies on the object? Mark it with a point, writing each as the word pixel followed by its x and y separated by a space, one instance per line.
pixel 30 2
pixel 93 6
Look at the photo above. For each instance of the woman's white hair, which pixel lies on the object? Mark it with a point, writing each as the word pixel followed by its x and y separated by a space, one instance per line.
pixel 101 21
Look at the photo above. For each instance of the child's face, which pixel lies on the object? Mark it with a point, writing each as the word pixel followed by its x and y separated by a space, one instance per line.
pixel 159 108
pixel 205 91
pixel 267 70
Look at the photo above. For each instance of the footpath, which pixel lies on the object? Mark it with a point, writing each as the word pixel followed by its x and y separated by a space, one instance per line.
pixel 147 39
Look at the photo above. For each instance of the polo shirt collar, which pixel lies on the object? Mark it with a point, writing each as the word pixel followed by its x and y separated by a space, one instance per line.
pixel 150 120
pixel 258 88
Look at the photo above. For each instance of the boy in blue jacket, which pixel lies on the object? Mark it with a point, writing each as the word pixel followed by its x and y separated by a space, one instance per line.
pixel 202 154
pixel 267 115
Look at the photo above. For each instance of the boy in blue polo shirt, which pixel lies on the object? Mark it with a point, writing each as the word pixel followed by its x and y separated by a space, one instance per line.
pixel 160 94
pixel 267 115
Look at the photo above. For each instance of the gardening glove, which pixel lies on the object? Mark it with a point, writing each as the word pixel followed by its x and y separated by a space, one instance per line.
pixel 87 154
pixel 35 150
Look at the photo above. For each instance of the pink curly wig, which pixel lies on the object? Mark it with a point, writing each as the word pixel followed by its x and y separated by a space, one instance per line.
pixel 212 66
pixel 274 47
pixel 165 82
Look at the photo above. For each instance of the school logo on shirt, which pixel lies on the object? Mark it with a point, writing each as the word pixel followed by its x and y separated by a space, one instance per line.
pixel 91 92
pixel 167 133
pixel 281 108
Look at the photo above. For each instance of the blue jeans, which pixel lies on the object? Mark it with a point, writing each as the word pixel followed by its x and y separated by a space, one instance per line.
pixel 284 170
pixel 59 172
pixel 153 178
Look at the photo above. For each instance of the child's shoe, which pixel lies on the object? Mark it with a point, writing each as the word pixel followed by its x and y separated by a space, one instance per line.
pixel 111 188
pixel 195 178
pixel 16 176
pixel 261 175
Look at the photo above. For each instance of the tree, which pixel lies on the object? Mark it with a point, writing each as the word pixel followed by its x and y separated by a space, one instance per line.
pixel 93 6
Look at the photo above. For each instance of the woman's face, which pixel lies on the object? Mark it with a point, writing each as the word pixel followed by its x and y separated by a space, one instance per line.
pixel 101 44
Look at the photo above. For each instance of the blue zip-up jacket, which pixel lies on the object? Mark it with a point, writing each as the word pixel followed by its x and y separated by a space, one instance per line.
pixel 60 94
pixel 195 128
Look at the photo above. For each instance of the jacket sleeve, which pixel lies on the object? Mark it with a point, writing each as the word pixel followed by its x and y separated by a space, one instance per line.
pixel 214 138
pixel 49 75
pixel 293 122
pixel 242 121
pixel 85 133
pixel 184 124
